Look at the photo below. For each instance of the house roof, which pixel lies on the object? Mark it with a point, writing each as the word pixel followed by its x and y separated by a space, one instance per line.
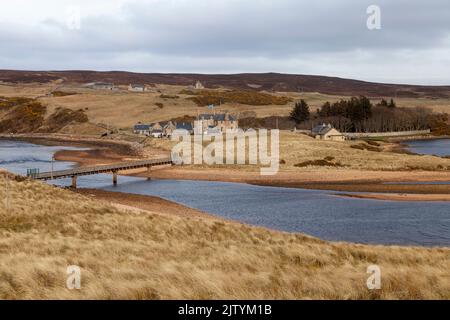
pixel 216 117
pixel 137 85
pixel 142 127
pixel 321 129
pixel 184 125
pixel 162 124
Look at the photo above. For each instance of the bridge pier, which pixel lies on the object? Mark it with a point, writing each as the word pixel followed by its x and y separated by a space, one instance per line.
pixel 149 173
pixel 115 178
pixel 74 182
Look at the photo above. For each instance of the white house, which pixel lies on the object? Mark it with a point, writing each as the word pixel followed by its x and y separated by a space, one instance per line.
pixel 198 86
pixel 327 132
pixel 100 85
pixel 136 87
pixel 142 129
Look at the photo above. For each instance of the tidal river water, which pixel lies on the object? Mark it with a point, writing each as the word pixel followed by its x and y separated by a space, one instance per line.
pixel 321 214
pixel 438 147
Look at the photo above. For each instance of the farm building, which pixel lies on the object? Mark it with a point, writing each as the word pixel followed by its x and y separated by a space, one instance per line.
pixel 136 87
pixel 222 121
pixel 142 129
pixel 327 132
pixel 198 86
pixel 101 86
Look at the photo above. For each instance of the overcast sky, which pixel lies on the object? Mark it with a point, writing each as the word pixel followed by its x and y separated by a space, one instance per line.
pixel 326 37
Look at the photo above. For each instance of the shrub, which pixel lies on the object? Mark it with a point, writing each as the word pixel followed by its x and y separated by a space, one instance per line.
pixel 207 97
pixel 168 96
pixel 62 93
pixel 318 163
pixel 363 146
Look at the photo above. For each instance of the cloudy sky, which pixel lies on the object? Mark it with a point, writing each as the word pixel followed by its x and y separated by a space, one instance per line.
pixel 326 37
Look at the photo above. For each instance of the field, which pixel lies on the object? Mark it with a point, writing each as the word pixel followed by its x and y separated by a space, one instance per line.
pixel 132 254
pixel 123 109
pixel 299 153
pixel 165 251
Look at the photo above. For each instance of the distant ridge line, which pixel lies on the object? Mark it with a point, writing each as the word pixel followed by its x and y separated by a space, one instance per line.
pixel 243 81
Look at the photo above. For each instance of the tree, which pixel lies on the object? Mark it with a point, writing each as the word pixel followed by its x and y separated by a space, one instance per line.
pixel 392 104
pixel 300 112
pixel 383 103
pixel 325 111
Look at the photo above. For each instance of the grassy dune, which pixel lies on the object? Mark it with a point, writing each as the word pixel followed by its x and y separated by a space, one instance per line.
pixel 130 255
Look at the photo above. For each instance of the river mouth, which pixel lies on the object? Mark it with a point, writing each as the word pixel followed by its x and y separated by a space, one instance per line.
pixel 315 212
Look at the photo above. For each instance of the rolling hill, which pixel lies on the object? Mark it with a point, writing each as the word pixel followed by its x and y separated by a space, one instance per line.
pixel 251 81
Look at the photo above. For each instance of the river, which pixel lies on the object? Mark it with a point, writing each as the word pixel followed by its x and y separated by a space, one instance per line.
pixel 317 213
pixel 438 147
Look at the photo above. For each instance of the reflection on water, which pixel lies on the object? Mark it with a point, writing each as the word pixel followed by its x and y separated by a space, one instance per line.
pixel 318 213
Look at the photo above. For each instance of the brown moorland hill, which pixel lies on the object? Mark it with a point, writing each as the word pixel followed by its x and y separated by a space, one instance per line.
pixel 255 81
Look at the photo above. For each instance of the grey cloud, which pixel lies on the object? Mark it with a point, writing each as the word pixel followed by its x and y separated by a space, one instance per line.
pixel 294 36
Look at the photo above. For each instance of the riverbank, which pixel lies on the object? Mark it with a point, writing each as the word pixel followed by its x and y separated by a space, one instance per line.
pixel 399 197
pixel 151 204
pixel 326 178
pixel 117 146
pixel 125 254
pixel 417 138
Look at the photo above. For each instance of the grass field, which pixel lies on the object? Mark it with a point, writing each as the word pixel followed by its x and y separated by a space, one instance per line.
pixel 299 152
pixel 123 109
pixel 131 255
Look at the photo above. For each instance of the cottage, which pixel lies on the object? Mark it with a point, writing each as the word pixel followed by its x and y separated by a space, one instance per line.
pixel 185 126
pixel 157 126
pixel 157 133
pixel 168 128
pixel 101 86
pixel 136 87
pixel 327 132
pixel 142 129
pixel 198 86
pixel 223 122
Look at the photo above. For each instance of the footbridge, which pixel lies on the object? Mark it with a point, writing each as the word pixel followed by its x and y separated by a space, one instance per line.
pixel 110 168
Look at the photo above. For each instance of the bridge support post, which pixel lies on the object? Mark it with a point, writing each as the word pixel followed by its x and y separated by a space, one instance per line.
pixel 115 178
pixel 74 182
pixel 149 173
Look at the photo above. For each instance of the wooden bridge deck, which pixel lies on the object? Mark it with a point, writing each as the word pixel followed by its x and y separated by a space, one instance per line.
pixel 112 168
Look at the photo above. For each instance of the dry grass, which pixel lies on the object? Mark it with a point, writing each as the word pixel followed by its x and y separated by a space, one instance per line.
pixel 296 148
pixel 126 255
pixel 123 109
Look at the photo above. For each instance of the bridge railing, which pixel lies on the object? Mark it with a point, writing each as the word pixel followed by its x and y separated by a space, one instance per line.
pixel 103 168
